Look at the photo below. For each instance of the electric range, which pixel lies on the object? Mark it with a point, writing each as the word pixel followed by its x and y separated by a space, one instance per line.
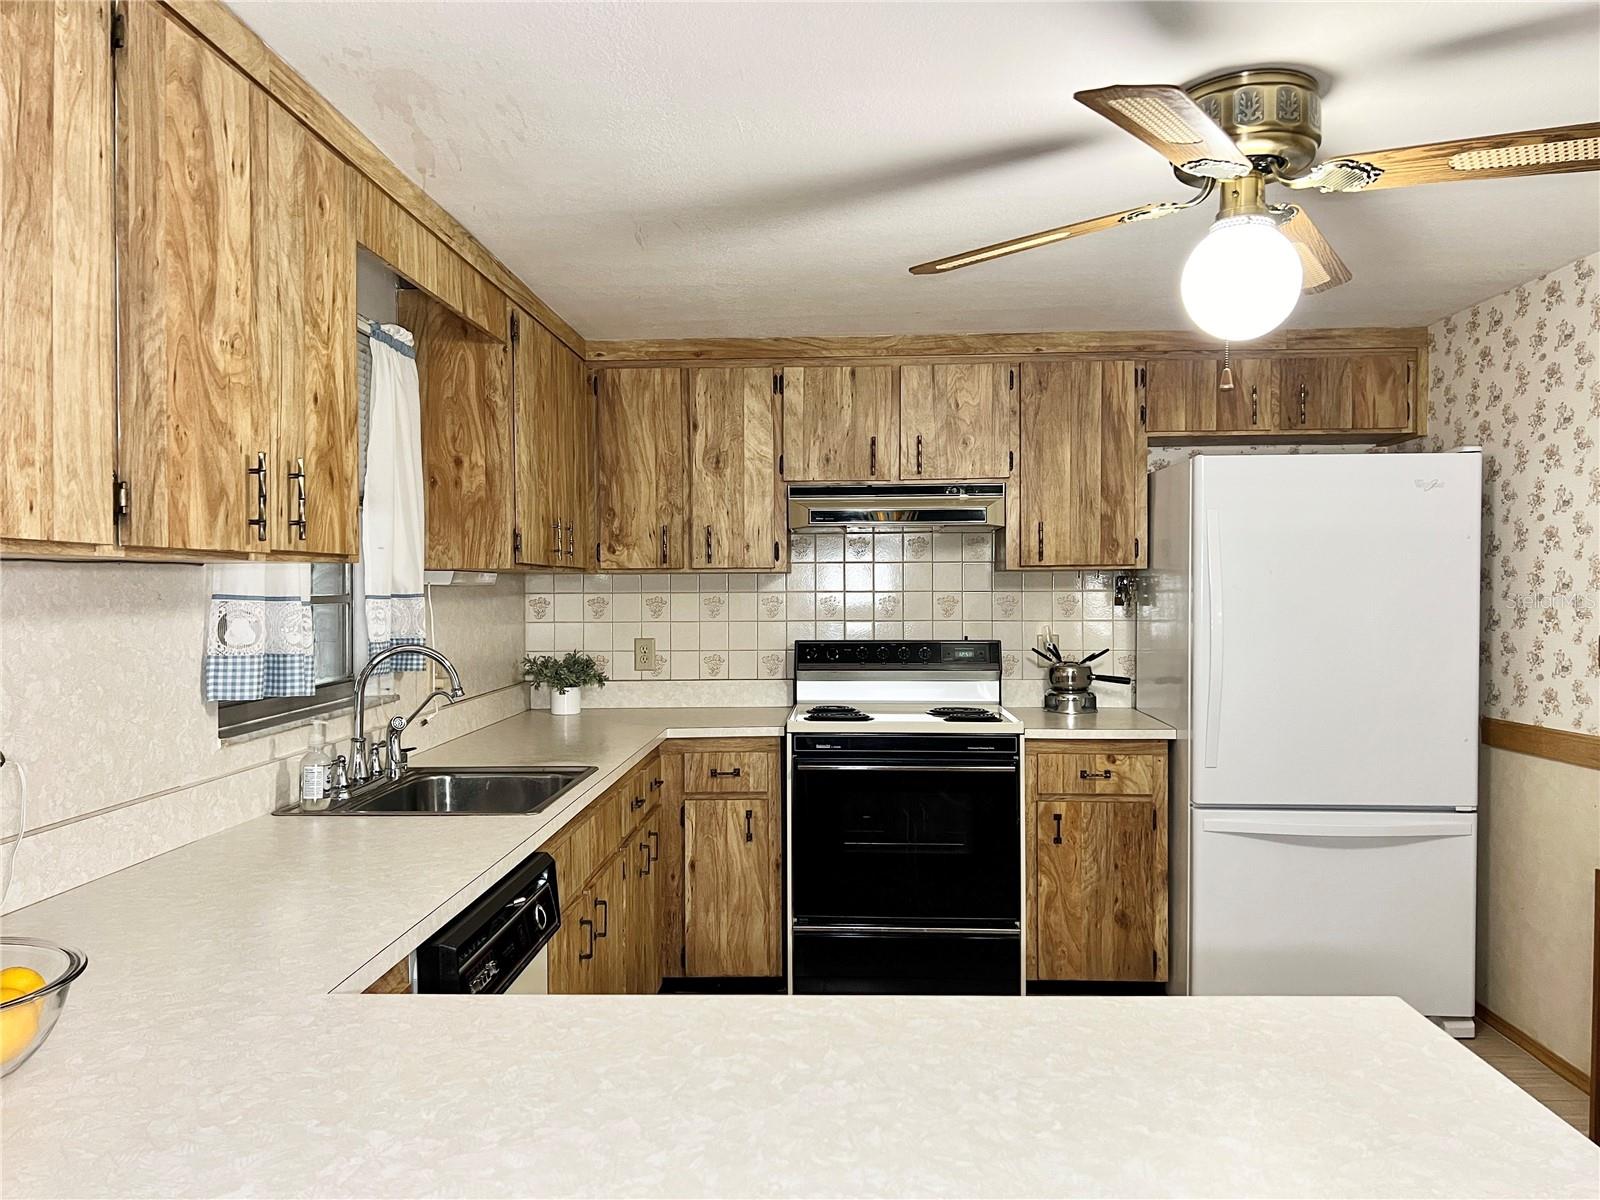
pixel 904 820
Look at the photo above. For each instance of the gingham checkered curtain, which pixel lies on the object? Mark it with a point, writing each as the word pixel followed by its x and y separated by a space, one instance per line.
pixel 258 631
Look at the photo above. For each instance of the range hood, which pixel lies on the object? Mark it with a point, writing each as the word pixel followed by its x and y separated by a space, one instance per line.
pixel 897 506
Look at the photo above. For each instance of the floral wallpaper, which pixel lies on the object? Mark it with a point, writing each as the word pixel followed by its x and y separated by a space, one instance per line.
pixel 1516 374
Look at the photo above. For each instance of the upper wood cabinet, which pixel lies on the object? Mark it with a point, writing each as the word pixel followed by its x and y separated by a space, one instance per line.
pixel 554 450
pixel 1307 396
pixel 467 460
pixel 307 319
pixel 1184 395
pixel 196 417
pixel 736 510
pixel 1379 390
pixel 957 421
pixel 841 424
pixel 57 334
pixel 1083 468
pixel 642 468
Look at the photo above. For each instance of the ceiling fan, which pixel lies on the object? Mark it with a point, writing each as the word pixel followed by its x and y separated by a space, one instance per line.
pixel 1239 134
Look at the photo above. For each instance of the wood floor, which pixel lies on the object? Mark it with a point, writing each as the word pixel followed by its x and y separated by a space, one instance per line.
pixel 1532 1076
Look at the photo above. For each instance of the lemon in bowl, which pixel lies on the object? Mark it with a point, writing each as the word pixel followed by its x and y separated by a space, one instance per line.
pixel 35 977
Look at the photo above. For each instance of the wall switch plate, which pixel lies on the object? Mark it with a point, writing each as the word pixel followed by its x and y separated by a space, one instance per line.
pixel 644 654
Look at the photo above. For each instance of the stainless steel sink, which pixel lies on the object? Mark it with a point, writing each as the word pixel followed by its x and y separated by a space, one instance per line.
pixel 477 790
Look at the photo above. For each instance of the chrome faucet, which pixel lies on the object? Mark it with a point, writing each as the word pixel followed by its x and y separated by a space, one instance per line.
pixel 366 760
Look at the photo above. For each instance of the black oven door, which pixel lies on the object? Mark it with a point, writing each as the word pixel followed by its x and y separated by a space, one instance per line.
pixel 908 838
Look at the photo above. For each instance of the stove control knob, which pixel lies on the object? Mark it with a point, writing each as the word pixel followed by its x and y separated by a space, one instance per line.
pixel 833 654
pixel 905 653
pixel 925 653
pixel 861 654
pixel 883 653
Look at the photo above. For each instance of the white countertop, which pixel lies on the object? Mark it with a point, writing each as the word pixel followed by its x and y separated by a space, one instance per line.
pixel 202 1054
pixel 1105 724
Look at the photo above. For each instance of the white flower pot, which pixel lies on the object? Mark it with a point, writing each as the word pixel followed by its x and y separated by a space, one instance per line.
pixel 565 701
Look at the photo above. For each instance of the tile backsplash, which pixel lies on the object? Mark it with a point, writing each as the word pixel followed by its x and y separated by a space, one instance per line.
pixel 712 627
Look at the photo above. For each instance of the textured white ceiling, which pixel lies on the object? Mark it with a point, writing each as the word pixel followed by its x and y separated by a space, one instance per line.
pixel 670 170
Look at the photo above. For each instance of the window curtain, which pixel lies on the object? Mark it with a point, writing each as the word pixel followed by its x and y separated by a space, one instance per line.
pixel 258 632
pixel 388 581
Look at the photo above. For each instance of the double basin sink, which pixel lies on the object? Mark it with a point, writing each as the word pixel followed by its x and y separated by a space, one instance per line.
pixel 463 790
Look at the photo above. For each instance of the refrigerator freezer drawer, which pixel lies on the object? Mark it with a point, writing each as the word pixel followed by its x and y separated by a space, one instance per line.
pixel 1335 903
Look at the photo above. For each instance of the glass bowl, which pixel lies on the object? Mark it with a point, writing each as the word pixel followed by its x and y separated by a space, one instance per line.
pixel 26 1021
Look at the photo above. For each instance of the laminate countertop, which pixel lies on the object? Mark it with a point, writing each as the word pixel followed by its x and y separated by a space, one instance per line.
pixel 1106 724
pixel 216 1045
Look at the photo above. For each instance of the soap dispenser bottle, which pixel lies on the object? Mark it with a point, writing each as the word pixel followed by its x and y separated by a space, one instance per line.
pixel 316 770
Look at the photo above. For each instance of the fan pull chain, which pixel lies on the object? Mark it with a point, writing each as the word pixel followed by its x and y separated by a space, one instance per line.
pixel 1226 382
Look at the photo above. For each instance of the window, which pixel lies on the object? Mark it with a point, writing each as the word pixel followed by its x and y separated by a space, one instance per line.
pixel 333 658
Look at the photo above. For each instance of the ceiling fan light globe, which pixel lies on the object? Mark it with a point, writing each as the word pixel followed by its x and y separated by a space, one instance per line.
pixel 1242 280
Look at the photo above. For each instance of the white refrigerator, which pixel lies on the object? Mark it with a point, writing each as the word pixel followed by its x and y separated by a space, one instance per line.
pixel 1309 625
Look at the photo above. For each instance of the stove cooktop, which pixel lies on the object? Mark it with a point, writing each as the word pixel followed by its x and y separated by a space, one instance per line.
pixel 878 717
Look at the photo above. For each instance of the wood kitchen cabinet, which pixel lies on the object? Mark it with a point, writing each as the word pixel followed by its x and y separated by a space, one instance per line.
pixel 1082 472
pixel 1375 390
pixel 57 310
pixel 1307 396
pixel 196 418
pixel 737 520
pixel 731 914
pixel 1184 395
pixel 642 466
pixel 1097 862
pixel 554 431
pixel 841 424
pixel 306 302
pixel 958 421
pixel 467 460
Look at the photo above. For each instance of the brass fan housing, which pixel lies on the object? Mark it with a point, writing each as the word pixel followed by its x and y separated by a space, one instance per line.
pixel 1271 112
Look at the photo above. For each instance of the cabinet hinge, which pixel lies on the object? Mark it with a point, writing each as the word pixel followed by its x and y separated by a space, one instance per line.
pixel 1143 414
pixel 119 498
pixel 516 542
pixel 118 31
pixel 516 329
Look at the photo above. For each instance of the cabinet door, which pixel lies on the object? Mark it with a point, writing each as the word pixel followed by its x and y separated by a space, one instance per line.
pixel 307 321
pixel 541 439
pixel 573 949
pixel 644 904
pixel 1309 395
pixel 1083 465
pixel 840 424
pixel 613 967
pixel 196 427
pixel 1378 387
pixel 957 421
pixel 732 899
pixel 1249 406
pixel 1100 892
pixel 642 469
pixel 467 463
pixel 57 318
pixel 736 516
pixel 578 469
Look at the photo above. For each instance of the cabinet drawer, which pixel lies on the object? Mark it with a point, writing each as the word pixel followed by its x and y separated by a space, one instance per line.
pixel 727 773
pixel 1096 774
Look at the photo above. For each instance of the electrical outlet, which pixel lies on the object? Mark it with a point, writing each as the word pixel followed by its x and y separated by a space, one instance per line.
pixel 644 654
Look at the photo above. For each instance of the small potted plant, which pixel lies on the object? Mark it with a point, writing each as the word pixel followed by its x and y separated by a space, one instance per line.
pixel 563 676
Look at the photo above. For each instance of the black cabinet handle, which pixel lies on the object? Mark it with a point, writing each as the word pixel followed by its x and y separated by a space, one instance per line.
pixel 777 555
pixel 1302 404
pixel 733 774
pixel 655 845
pixel 663 545
pixel 1057 838
pixel 606 913
pixel 584 922
pixel 708 543
pixel 644 848
pixel 636 803
pixel 298 476
pixel 259 524
pixel 919 454
pixel 1041 541
pixel 749 826
pixel 1255 406
pixel 1106 774
pixel 872 456
pixel 656 783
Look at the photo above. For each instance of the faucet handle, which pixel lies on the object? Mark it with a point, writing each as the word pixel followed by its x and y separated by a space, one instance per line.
pixel 341 777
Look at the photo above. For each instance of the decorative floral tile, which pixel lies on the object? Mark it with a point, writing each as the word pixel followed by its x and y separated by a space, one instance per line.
pixel 801 547
pixel 1006 605
pixel 1068 606
pixel 656 605
pixel 712 606
pixel 947 606
pixel 540 608
pixel 711 666
pixel 771 606
pixel 858 547
pixel 1008 665
pixel 977 547
pixel 772 665
pixel 597 606
pixel 918 547
pixel 889 605
pixel 830 606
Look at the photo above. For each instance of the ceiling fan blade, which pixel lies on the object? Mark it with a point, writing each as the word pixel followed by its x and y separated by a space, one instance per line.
pixel 1148 212
pixel 1553 151
pixel 1165 119
pixel 1322 267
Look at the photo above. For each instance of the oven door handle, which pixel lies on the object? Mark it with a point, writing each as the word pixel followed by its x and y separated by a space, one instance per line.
pixel 941 768
pixel 959 930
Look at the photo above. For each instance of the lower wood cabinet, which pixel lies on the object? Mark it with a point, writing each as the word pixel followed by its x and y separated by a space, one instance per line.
pixel 1097 862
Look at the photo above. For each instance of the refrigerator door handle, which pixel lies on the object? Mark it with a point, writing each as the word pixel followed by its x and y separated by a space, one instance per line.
pixel 1214 639
pixel 1288 829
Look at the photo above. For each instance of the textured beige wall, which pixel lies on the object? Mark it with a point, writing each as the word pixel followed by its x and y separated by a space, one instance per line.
pixel 1538 849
